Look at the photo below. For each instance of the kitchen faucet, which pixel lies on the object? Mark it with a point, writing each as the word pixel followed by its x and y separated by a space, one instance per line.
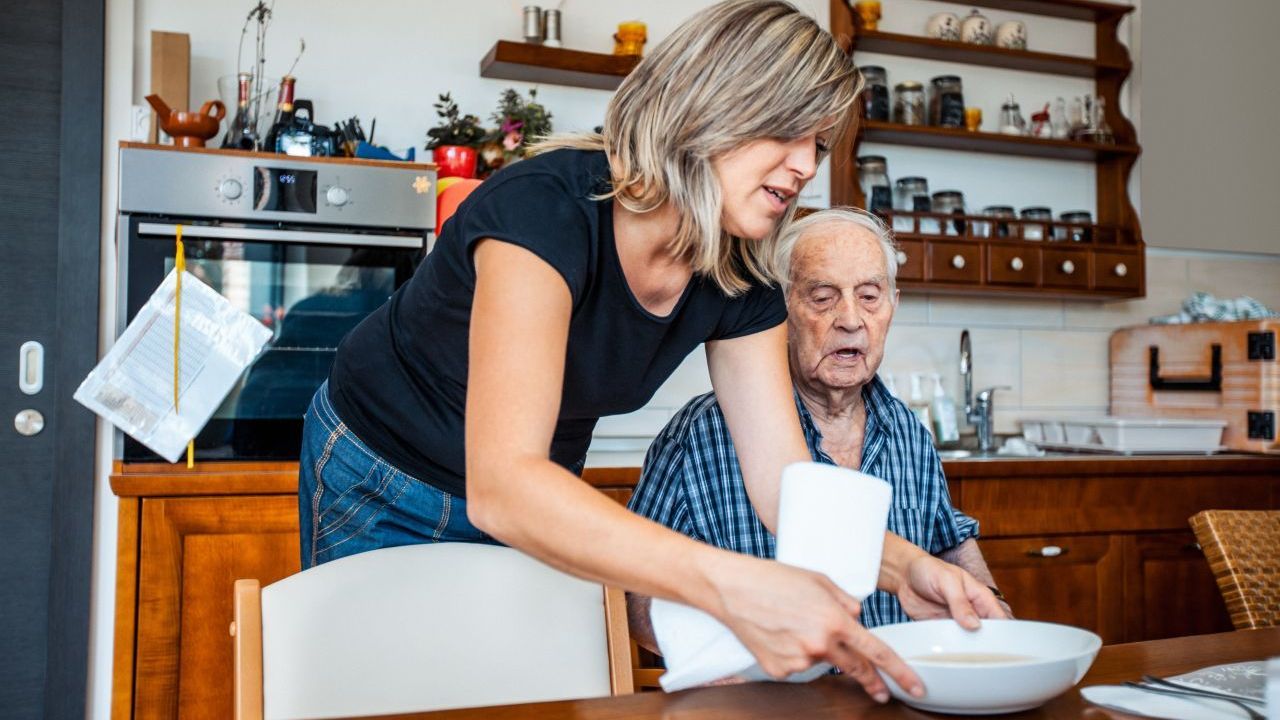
pixel 979 413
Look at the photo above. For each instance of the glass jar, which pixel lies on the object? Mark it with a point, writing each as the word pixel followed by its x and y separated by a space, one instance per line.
pixel 946 102
pixel 911 194
pixel 1036 230
pixel 1011 120
pixel 873 177
pixel 875 97
pixel 908 103
pixel 950 202
pixel 996 228
pixel 1074 232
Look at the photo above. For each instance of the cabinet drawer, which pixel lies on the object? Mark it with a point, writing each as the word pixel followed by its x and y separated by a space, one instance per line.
pixel 1012 265
pixel 1066 268
pixel 955 262
pixel 910 259
pixel 1117 271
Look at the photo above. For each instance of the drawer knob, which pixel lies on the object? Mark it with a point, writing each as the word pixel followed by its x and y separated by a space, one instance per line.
pixel 1121 269
pixel 1068 267
pixel 902 258
pixel 957 262
pixel 1047 551
pixel 1016 264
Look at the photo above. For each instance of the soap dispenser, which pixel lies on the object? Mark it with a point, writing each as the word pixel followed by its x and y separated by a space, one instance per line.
pixel 945 427
pixel 919 406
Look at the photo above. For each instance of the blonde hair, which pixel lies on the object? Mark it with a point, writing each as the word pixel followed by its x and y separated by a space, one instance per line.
pixel 790 238
pixel 737 71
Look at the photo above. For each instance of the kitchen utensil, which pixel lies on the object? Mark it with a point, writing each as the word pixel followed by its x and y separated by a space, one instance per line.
pixel 1126 435
pixel 189 129
pixel 1165 690
pixel 908 103
pixel 946 101
pixel 976 29
pixel 875 96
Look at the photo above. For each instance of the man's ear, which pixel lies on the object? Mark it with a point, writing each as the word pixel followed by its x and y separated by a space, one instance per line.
pixel 897 295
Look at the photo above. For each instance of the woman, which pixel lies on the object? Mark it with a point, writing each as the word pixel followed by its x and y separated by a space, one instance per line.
pixel 570 286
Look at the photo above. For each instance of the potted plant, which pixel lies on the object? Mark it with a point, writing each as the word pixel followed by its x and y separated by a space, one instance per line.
pixel 520 122
pixel 453 142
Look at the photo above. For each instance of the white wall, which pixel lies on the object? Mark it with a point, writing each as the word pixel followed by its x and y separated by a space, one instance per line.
pixel 396 56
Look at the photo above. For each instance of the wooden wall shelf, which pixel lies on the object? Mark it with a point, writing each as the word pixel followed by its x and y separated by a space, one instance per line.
pixel 508 60
pixel 955 139
pixel 1068 9
pixel 988 55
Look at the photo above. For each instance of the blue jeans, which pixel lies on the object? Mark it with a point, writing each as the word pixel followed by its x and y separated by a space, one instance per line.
pixel 351 500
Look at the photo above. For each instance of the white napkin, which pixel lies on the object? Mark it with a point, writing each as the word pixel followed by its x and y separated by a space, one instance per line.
pixel 830 520
pixel 1154 705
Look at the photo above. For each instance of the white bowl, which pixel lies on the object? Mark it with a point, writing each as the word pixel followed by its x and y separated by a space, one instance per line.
pixel 1040 661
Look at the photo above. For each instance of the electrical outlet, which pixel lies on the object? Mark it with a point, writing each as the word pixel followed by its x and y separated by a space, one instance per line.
pixel 140 123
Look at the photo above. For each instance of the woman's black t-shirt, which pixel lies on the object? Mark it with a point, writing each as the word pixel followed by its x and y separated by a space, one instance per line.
pixel 400 377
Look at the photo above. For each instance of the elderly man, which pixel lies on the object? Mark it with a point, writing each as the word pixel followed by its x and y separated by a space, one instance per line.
pixel 840 266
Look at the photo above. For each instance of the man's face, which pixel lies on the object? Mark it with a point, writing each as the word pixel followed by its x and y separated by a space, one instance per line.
pixel 839 307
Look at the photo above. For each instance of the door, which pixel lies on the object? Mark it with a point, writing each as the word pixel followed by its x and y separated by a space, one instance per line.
pixel 50 182
pixel 1169 590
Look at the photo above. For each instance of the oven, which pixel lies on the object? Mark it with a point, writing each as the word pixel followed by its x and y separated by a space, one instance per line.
pixel 308 247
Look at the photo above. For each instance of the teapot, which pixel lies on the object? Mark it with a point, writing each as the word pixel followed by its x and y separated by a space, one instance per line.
pixel 189 129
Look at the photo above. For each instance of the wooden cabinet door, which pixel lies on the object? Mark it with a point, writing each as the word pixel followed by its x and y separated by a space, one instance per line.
pixel 1169 590
pixel 192 552
pixel 1070 579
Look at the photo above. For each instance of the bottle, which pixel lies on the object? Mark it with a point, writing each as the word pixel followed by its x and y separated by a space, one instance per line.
pixel 946 429
pixel 890 384
pixel 918 406
pixel 242 135
pixel 283 117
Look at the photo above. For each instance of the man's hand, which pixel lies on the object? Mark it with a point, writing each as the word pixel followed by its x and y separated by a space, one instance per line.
pixel 936 589
pixel 791 619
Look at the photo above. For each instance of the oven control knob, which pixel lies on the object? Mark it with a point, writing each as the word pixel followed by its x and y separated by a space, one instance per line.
pixel 230 189
pixel 337 196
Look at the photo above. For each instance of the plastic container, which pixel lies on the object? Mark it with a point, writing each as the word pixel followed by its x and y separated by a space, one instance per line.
pixel 1127 435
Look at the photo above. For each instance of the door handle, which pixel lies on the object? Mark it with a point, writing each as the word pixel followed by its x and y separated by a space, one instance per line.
pixel 1048 551
pixel 31 367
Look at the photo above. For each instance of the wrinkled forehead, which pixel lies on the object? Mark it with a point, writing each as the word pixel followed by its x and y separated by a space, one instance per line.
pixel 841 254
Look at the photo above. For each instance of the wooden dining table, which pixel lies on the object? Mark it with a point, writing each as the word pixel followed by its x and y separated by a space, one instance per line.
pixel 840 697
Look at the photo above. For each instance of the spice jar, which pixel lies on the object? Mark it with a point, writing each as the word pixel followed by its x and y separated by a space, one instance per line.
pixel 1036 230
pixel 875 97
pixel 1011 120
pixel 1074 232
pixel 908 103
pixel 911 194
pixel 946 102
pixel 996 228
pixel 873 177
pixel 950 202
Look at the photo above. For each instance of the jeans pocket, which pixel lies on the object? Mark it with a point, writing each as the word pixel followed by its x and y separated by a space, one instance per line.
pixel 353 489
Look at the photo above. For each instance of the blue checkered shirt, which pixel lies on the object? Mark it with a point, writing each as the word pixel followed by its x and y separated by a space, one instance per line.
pixel 691 482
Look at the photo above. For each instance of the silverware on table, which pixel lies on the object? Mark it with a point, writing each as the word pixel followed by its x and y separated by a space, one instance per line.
pixel 1164 687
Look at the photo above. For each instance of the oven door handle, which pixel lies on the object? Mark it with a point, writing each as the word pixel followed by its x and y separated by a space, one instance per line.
pixel 216 232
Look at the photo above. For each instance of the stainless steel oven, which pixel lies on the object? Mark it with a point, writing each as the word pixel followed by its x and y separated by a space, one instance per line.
pixel 309 247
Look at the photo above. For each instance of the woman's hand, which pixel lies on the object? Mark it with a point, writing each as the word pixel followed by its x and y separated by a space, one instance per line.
pixel 932 588
pixel 792 619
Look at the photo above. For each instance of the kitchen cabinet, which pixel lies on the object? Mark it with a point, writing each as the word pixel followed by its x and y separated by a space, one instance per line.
pixel 1101 543
pixel 1072 579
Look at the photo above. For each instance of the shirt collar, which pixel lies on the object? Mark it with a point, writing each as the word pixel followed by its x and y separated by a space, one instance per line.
pixel 877 399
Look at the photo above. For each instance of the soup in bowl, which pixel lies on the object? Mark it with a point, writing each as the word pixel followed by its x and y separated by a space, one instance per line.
pixel 1006 666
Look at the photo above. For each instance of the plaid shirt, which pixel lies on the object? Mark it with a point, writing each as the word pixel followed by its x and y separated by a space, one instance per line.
pixel 691 482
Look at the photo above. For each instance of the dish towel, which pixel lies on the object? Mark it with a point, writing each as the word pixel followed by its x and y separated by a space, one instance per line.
pixel 830 520
pixel 1203 307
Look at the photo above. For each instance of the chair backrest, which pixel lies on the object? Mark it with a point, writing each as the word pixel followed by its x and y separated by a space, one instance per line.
pixel 1243 549
pixel 429 627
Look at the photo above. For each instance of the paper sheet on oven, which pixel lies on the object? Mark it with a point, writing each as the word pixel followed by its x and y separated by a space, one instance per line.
pixel 132 387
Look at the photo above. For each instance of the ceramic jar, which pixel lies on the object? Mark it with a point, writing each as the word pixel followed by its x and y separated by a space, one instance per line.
pixel 943 26
pixel 1012 35
pixel 976 29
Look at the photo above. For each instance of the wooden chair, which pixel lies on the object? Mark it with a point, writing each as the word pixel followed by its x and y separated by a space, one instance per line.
pixel 425 627
pixel 1243 549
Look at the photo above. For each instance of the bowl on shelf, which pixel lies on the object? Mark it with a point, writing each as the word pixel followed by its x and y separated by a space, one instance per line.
pixel 1005 666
